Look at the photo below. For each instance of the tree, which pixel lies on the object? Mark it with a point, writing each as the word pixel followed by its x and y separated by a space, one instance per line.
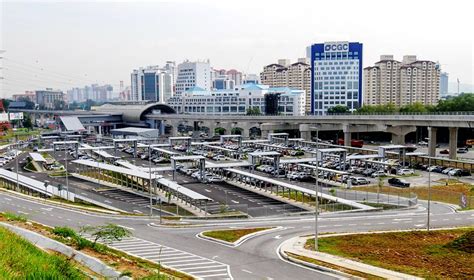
pixel 107 233
pixel 59 105
pixel 255 111
pixel 236 130
pixel 27 122
pixel 387 108
pixel 219 131
pixel 338 109
pixel 28 103
pixel 463 102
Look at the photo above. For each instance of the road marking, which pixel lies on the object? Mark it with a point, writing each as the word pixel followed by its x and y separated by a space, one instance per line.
pixel 129 228
pixel 277 237
pixel 84 194
pixel 245 270
pixel 207 190
pixel 236 202
pixel 420 225
pixel 6 198
pixel 22 212
pixel 404 219
pixel 137 211
pixel 184 181
pixel 108 201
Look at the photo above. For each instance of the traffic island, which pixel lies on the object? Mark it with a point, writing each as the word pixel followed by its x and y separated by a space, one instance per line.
pixel 394 255
pixel 234 237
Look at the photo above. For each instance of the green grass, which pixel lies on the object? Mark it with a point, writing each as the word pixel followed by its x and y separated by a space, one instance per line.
pixel 440 254
pixel 14 217
pixel 231 235
pixel 20 259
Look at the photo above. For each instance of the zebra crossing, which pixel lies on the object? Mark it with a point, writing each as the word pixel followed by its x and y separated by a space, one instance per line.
pixel 198 267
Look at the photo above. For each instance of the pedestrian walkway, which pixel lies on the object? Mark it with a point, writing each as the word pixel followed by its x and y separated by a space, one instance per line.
pixel 199 267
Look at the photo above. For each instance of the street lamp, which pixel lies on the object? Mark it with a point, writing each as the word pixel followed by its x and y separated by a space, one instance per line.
pixel 316 192
pixel 149 184
pixel 429 194
pixel 17 171
pixel 67 177
pixel 177 190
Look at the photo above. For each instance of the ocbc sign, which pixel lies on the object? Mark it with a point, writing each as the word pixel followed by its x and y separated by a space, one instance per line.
pixel 336 47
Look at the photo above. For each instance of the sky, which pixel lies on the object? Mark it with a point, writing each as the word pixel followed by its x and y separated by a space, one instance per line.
pixel 73 43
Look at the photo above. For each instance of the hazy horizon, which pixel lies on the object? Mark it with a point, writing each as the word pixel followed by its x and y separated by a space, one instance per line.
pixel 72 44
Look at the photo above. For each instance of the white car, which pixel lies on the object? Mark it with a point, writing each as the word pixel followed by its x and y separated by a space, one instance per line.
pixel 405 172
pixel 378 173
pixel 219 157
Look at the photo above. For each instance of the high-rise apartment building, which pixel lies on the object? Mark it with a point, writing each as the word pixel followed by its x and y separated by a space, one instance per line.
pixel 443 84
pixel 193 74
pixel 402 83
pixel 152 83
pixel 336 76
pixel 285 74
pixel 226 79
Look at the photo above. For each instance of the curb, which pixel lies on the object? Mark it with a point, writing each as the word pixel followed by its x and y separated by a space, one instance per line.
pixel 341 275
pixel 240 240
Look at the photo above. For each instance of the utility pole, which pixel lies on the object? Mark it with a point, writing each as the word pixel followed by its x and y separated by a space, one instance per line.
pixel 429 193
pixel 149 183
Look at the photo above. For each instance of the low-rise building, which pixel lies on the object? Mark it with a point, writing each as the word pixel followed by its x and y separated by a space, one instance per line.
pixel 238 101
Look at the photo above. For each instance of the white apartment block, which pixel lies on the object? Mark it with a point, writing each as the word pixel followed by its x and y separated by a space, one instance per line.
pixel 193 74
pixel 402 83
pixel 236 101
pixel 285 74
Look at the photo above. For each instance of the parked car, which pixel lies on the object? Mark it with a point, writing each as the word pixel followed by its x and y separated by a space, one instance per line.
pixel 444 152
pixel 463 150
pixel 359 181
pixel 378 173
pixel 405 171
pixel 398 183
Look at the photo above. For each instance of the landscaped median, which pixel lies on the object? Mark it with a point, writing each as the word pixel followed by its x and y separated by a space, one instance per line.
pixel 438 254
pixel 234 237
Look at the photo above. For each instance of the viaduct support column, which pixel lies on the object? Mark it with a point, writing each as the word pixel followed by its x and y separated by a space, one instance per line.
pixel 305 132
pixel 453 142
pixel 432 131
pixel 347 135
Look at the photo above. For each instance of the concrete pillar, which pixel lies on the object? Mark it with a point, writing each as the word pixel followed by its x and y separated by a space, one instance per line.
pixel 398 139
pixel 100 130
pixel 347 138
pixel 432 131
pixel 453 142
pixel 245 132
pixel 174 131
pixel 265 133
pixel 306 135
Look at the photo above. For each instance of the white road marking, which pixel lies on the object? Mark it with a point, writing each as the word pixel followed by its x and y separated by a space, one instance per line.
pixel 404 219
pixel 207 190
pixel 108 201
pixel 420 225
pixel 129 228
pixel 277 237
pixel 22 212
pixel 236 202
pixel 184 181
pixel 6 198
pixel 245 270
pixel 137 211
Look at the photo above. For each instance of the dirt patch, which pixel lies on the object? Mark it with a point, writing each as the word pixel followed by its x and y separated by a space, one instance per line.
pixel 232 235
pixel 419 253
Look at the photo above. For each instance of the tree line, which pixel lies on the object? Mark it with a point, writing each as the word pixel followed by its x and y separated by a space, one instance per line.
pixel 461 103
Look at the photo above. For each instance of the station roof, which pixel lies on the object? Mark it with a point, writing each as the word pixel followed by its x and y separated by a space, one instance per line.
pixel 72 123
pixel 113 168
pixel 37 157
pixel 136 131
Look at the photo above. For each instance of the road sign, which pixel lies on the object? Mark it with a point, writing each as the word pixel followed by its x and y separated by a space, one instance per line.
pixel 16 116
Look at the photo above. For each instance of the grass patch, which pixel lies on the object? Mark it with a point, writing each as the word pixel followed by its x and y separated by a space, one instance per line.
pixel 443 254
pixel 336 267
pixel 232 235
pixel 14 217
pixel 139 268
pixel 19 259
pixel 450 193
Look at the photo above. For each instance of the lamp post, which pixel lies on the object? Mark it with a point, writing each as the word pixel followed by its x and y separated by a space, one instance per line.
pixel 429 195
pixel 177 190
pixel 17 171
pixel 67 178
pixel 149 184
pixel 316 187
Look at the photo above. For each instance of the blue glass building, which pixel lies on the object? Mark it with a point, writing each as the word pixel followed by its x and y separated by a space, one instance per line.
pixel 336 76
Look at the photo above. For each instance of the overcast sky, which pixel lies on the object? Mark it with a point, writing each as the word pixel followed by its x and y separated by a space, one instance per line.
pixel 67 44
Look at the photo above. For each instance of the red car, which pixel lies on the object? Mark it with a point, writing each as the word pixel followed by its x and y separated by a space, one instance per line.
pixel 444 152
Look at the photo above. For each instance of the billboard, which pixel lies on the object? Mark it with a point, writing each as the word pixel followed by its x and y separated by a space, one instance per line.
pixel 16 116
pixel 3 117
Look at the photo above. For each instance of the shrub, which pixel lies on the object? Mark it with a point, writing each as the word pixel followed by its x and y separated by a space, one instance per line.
pixel 15 217
pixel 65 232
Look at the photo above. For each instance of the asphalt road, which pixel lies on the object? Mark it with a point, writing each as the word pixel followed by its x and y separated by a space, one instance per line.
pixel 256 258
